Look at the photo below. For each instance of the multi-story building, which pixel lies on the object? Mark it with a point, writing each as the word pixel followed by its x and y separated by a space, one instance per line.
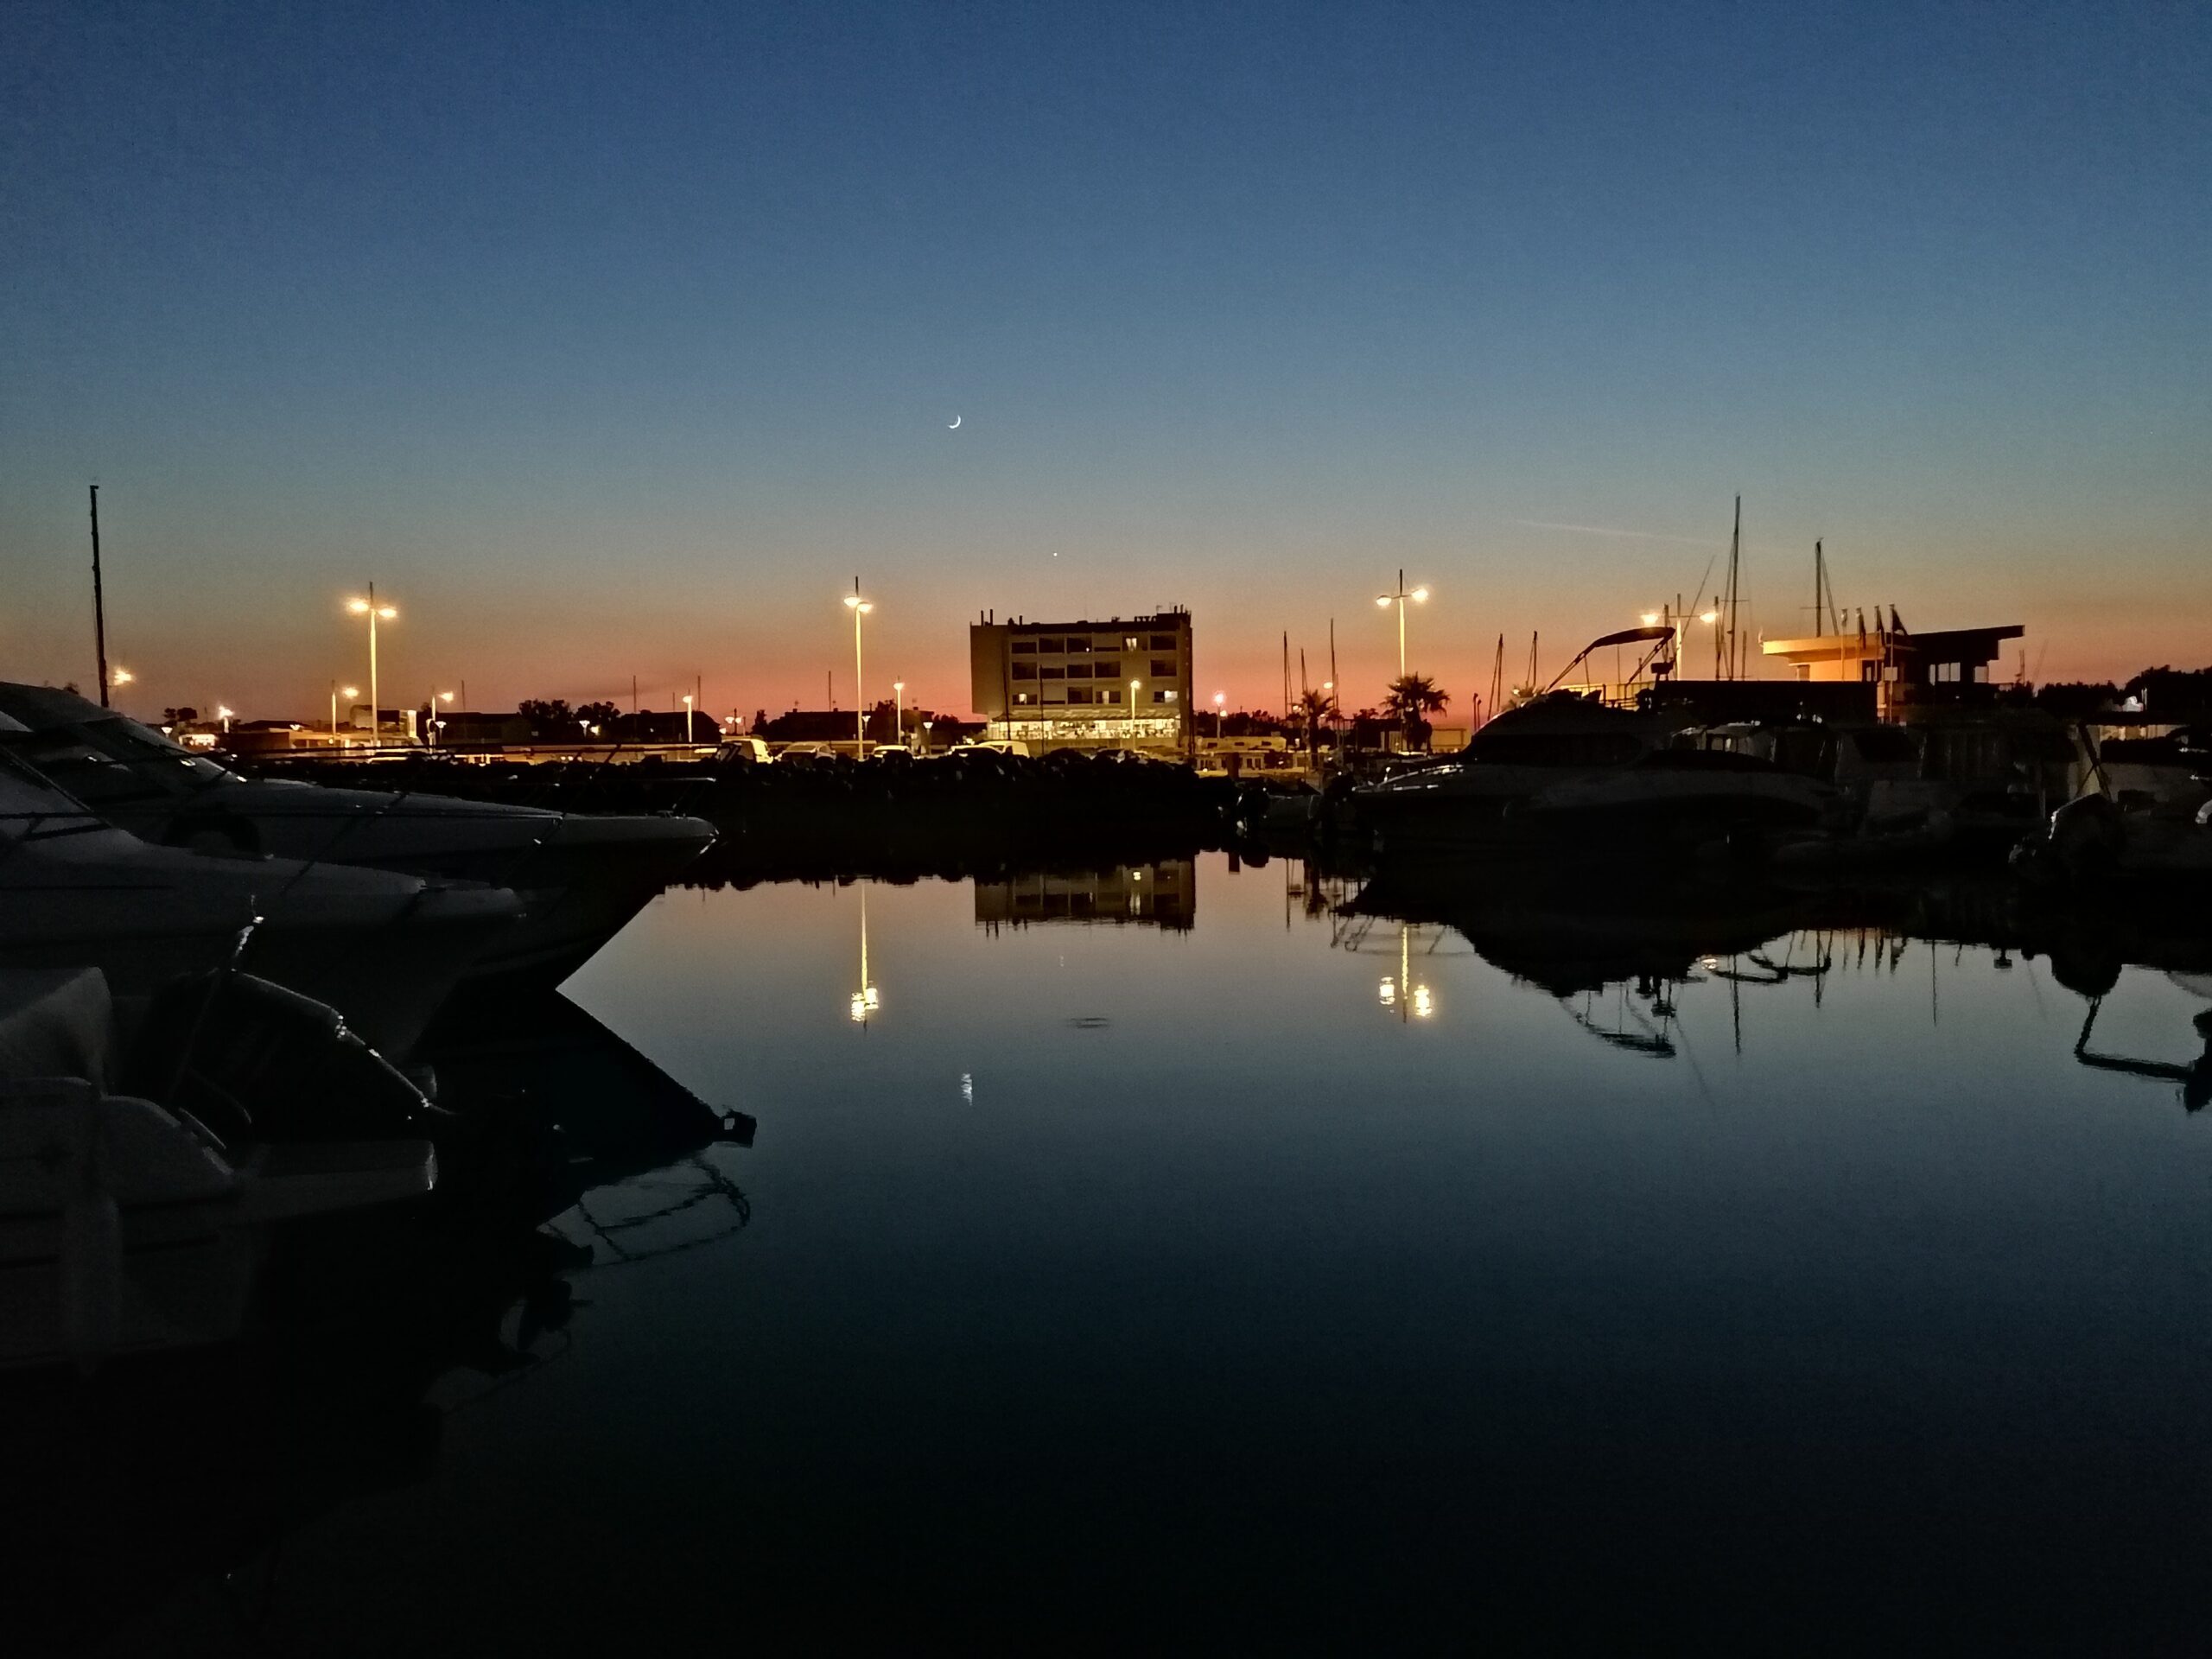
pixel 1120 683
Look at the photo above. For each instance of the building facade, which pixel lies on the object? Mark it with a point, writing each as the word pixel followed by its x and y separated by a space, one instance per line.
pixel 1952 665
pixel 1119 683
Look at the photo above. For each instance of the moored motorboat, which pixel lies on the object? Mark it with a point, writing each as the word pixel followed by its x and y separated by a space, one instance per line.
pixel 385 949
pixel 582 877
pixel 2093 840
pixel 1565 773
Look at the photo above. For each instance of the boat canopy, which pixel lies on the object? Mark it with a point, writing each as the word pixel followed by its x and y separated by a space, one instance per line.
pixel 1653 635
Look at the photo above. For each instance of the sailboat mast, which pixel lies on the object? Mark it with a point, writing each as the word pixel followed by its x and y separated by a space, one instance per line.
pixel 100 600
pixel 1735 570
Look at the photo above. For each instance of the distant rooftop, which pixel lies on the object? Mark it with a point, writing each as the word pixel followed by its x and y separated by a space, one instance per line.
pixel 1173 615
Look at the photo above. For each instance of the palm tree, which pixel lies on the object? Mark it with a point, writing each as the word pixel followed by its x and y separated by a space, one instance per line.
pixel 1315 709
pixel 1412 698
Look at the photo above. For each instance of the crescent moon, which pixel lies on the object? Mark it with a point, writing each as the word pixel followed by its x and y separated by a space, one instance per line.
pixel 955 427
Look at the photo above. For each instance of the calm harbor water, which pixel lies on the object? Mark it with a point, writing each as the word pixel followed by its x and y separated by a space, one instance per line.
pixel 1173 1255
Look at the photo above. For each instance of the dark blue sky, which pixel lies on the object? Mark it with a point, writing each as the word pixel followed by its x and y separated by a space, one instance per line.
pixel 617 341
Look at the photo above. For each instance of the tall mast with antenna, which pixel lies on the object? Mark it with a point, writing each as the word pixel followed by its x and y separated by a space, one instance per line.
pixel 1735 570
pixel 100 600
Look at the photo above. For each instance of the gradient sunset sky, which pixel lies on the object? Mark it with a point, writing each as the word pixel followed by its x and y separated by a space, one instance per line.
pixel 616 340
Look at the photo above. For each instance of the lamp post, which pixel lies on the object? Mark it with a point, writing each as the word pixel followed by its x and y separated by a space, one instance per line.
pixel 433 724
pixel 899 712
pixel 1420 596
pixel 1133 712
pixel 1220 702
pixel 859 608
pixel 374 611
pixel 224 715
pixel 351 691
pixel 690 736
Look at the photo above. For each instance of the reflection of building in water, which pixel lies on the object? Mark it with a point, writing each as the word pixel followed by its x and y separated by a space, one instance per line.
pixel 1165 894
pixel 865 1001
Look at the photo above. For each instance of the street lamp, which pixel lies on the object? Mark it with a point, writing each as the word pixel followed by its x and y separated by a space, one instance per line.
pixel 374 611
pixel 689 734
pixel 352 692
pixel 1420 596
pixel 433 724
pixel 224 715
pixel 1133 712
pixel 118 674
pixel 1220 702
pixel 860 608
pixel 899 712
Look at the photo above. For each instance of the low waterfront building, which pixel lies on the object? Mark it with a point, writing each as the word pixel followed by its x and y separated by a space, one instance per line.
pixel 1950 665
pixel 1123 682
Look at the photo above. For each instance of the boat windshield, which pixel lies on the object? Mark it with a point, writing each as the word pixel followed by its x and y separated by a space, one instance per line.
pixel 112 762
pixel 31 808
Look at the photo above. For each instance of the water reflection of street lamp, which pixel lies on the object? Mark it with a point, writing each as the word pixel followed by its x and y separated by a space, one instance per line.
pixel 1412 1002
pixel 865 1001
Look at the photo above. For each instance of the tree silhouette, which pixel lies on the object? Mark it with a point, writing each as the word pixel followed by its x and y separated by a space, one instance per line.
pixel 1410 699
pixel 548 717
pixel 1314 711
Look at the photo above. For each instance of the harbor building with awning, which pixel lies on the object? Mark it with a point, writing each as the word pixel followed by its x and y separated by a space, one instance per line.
pixel 1948 665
